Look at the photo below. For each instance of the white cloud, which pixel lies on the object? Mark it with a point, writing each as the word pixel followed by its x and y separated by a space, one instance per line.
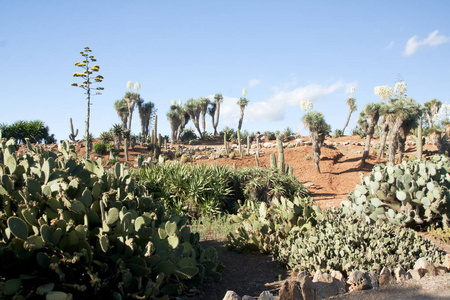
pixel 391 44
pixel 274 109
pixel 433 40
pixel 253 82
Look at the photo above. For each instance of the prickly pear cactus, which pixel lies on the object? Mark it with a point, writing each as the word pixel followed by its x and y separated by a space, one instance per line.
pixel 345 243
pixel 413 193
pixel 263 226
pixel 88 230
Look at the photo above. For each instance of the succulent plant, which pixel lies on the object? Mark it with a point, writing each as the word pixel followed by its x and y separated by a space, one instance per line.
pixel 412 194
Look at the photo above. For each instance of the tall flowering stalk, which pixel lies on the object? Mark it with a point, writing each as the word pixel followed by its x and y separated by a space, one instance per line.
pixel 306 105
pixel 86 85
pixel 385 93
pixel 351 108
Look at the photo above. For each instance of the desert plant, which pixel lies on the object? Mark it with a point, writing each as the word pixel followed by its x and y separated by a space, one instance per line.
pixel 242 102
pixel 100 148
pixel 106 136
pixel 342 242
pixel 146 110
pixel 318 129
pixel 214 111
pixel 86 76
pixel 188 135
pixel 337 133
pixel 121 108
pixel 194 110
pixel 367 121
pixel 229 133
pixel 351 108
pixel 203 103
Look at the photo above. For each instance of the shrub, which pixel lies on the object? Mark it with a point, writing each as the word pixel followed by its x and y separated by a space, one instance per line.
pixel 100 148
pixel 344 243
pixel 106 136
pixel 337 133
pixel 229 132
pixel 188 135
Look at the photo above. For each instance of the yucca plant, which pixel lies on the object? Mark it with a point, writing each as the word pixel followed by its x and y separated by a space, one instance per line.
pixel 318 129
pixel 242 102
pixel 351 108
pixel 367 121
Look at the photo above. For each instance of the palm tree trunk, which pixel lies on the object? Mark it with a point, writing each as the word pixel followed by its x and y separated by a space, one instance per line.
pixel 384 127
pixel 346 123
pixel 315 148
pixel 241 118
pixel 217 117
pixel 393 139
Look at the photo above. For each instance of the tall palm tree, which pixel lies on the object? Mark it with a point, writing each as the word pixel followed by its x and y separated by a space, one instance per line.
pixel 396 114
pixel 122 111
pixel 218 99
pixel 193 109
pixel 352 107
pixel 432 108
pixel 318 130
pixel 204 103
pixel 131 99
pixel 212 112
pixel 242 102
pixel 174 116
pixel 145 113
pixel 367 121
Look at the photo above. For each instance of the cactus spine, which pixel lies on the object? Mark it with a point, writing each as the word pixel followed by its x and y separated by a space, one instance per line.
pixel 72 134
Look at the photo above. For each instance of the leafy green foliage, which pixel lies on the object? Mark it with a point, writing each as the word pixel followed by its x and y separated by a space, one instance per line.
pixel 262 226
pixel 90 231
pixel 100 148
pixel 35 131
pixel 345 243
pixel 188 135
pixel 413 193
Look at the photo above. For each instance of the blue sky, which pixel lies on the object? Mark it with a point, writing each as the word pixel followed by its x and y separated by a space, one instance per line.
pixel 280 51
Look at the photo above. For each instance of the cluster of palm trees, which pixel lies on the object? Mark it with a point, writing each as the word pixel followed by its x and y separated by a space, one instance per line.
pixel 195 110
pixel 125 108
pixel 396 116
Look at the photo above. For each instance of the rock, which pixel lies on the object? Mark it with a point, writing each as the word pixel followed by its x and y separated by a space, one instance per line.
pixel 199 157
pixel 215 156
pixel 325 285
pixel 247 298
pixel 416 273
pixel 306 285
pixel 357 281
pixel 441 270
pixel 385 277
pixel 423 263
pixel 230 295
pixel 339 280
pixel 372 279
pixel 447 261
pixel 266 295
pixel 291 290
pixel 400 274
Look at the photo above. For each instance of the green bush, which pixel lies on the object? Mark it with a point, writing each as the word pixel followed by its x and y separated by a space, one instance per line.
pixel 100 148
pixel 413 194
pixel 106 136
pixel 35 131
pixel 345 243
pixel 229 132
pixel 188 135
pixel 90 231
pixel 337 133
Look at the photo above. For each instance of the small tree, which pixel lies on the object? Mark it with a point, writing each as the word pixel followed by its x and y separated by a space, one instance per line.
pixel 121 107
pixel 367 121
pixel 193 109
pixel 432 108
pixel 218 99
pixel 145 113
pixel 352 107
pixel 242 102
pixel 204 103
pixel 86 85
pixel 318 130
pixel 175 116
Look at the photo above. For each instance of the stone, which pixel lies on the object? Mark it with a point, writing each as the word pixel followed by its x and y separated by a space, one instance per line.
pixel 246 297
pixel 325 285
pixel 266 295
pixel 357 281
pixel 385 277
pixel 416 274
pixel 400 274
pixel 306 285
pixel 291 290
pixel 447 261
pixel 441 270
pixel 372 279
pixel 423 263
pixel 230 295
pixel 339 280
